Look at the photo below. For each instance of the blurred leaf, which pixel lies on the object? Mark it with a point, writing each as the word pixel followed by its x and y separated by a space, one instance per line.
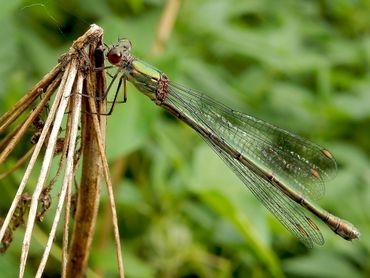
pixel 8 51
pixel 8 7
pixel 130 125
pixel 320 264
pixel 40 55
pixel 215 184
pixel 135 267
pixel 94 8
pixel 355 105
pixel 9 267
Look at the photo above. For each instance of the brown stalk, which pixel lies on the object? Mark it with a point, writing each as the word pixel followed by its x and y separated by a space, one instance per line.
pixel 31 164
pixel 89 190
pixel 108 181
pixel 19 162
pixel 69 171
pixel 11 134
pixel 165 26
pixel 117 168
pixel 70 92
pixel 24 102
pixel 65 89
pixel 26 124
pixel 98 127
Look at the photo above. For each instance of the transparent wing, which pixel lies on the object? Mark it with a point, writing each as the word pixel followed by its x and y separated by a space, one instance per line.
pixel 286 156
pixel 289 213
pixel 293 160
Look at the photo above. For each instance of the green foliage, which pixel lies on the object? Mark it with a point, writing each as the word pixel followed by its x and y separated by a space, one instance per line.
pixel 302 65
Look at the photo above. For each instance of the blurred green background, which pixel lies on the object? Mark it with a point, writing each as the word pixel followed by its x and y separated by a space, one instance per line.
pixel 301 65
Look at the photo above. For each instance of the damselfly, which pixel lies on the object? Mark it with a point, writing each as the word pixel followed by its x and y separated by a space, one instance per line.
pixel 284 171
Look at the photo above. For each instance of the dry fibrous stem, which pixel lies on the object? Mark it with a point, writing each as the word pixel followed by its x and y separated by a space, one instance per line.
pixel 89 189
pixel 75 79
pixel 25 102
pixel 16 221
pixel 109 189
pixel 166 24
pixel 14 140
pixel 68 177
pixel 19 163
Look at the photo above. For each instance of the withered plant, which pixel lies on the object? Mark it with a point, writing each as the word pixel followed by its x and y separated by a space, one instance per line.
pixel 73 133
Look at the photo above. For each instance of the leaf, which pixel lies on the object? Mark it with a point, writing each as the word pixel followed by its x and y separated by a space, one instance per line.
pixel 320 264
pixel 130 124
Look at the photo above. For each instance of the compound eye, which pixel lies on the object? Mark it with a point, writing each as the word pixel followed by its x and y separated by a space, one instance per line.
pixel 114 56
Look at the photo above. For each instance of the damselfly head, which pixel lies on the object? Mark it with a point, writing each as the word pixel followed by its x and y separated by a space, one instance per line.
pixel 117 51
pixel 115 55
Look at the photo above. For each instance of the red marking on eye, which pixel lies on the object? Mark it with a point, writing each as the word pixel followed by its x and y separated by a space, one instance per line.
pixel 315 173
pixel 114 56
pixel 302 230
pixel 327 154
pixel 312 224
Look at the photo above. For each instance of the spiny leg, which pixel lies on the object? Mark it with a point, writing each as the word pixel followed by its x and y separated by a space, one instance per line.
pixel 115 97
pixel 122 78
pixel 124 91
pixel 109 86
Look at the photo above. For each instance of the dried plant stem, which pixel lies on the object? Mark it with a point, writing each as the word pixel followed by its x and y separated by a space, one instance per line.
pixel 68 176
pixel 67 214
pixel 89 189
pixel 117 168
pixel 25 125
pixel 11 134
pixel 166 25
pixel 109 188
pixel 32 161
pixel 87 206
pixel 75 99
pixel 74 263
pixel 19 162
pixel 24 102
pixel 70 75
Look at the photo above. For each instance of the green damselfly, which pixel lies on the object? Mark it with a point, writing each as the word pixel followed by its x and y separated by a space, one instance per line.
pixel 284 171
